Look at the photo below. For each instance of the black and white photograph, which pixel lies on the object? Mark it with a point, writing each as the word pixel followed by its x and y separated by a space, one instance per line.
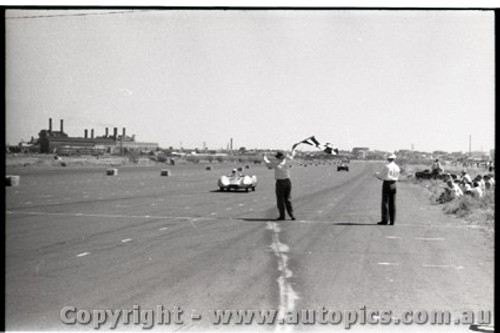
pixel 249 169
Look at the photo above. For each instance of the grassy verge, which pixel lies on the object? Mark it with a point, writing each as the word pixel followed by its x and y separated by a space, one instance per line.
pixel 476 211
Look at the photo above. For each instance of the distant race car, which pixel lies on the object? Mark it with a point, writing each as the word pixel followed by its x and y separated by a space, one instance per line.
pixel 343 166
pixel 426 174
pixel 237 182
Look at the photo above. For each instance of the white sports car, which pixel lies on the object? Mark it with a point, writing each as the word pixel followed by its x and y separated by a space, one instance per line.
pixel 237 182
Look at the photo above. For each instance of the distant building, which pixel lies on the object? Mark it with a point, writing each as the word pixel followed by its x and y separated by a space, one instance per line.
pixel 360 152
pixel 480 156
pixel 59 142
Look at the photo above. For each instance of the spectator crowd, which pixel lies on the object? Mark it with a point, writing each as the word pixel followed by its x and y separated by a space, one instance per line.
pixel 463 184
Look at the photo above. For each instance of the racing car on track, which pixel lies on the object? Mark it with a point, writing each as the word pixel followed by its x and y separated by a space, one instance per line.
pixel 343 166
pixel 237 181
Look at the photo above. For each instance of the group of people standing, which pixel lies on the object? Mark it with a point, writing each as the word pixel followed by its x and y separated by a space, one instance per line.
pixel 281 166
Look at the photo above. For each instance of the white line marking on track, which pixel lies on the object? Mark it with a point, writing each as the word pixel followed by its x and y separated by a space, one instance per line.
pixel 286 293
pixel 392 237
pixel 388 263
pixel 203 219
pixel 83 254
pixel 126 240
pixel 164 228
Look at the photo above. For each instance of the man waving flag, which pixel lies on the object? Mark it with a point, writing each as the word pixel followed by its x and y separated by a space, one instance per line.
pixel 312 141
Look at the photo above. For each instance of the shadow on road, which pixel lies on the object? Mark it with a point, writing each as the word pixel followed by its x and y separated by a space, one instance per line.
pixel 363 224
pixel 230 192
pixel 254 219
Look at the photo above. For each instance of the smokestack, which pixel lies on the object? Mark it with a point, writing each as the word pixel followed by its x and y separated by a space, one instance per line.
pixel 62 128
pixel 107 132
pixel 115 132
pixel 92 133
pixel 123 132
pixel 50 125
pixel 86 133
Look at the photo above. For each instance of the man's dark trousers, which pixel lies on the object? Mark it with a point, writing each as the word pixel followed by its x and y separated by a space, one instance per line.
pixel 389 202
pixel 283 192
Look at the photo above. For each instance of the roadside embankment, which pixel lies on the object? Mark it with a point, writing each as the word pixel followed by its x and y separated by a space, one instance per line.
pixel 479 211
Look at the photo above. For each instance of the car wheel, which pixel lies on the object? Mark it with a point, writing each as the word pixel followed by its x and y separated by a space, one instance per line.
pixel 253 188
pixel 221 189
pixel 246 190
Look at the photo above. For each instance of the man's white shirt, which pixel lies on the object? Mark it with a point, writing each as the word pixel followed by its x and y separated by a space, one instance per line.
pixel 390 172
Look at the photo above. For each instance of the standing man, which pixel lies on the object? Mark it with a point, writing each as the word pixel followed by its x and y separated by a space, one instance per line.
pixel 437 169
pixel 389 175
pixel 283 182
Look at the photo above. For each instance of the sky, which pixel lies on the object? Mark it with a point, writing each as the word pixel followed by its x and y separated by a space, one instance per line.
pixel 383 79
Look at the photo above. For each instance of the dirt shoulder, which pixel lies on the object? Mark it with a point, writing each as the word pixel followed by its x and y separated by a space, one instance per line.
pixel 477 213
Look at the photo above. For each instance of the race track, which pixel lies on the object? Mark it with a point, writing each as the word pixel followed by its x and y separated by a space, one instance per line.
pixel 78 237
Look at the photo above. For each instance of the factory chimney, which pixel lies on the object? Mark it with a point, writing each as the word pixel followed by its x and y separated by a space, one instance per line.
pixel 115 132
pixel 107 132
pixel 86 133
pixel 123 132
pixel 92 133
pixel 62 128
pixel 50 125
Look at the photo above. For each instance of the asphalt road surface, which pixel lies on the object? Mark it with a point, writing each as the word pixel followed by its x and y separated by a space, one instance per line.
pixel 78 238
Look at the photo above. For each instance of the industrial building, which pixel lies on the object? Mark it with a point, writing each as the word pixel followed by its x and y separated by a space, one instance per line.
pixel 58 142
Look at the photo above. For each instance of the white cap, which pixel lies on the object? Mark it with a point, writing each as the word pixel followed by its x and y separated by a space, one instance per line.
pixel 392 156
